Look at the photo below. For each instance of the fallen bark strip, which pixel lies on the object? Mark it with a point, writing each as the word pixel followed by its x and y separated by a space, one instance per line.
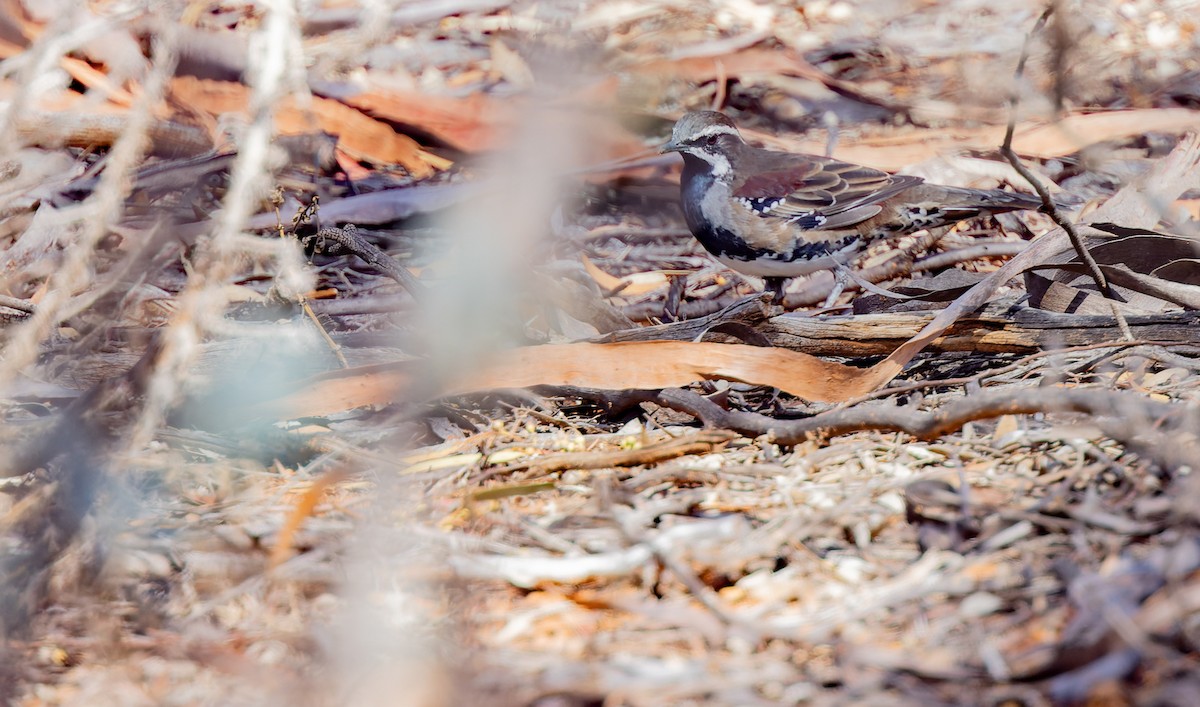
pixel 78 128
pixel 1017 330
pixel 997 329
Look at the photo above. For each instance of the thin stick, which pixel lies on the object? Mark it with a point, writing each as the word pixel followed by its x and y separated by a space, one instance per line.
pixel 21 305
pixel 1048 204
pixel 303 215
pixel 718 101
pixel 982 376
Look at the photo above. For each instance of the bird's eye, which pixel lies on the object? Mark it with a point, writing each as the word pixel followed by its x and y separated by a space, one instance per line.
pixel 710 140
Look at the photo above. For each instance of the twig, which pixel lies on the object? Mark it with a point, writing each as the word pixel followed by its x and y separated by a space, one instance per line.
pixel 718 100
pixel 699 443
pixel 903 264
pixel 968 254
pixel 20 305
pixel 1158 352
pixel 817 290
pixel 746 310
pixel 1048 205
pixel 349 239
pixel 980 377
pixel 306 213
pixel 831 124
pixel 1136 414
pixel 333 345
pixel 690 310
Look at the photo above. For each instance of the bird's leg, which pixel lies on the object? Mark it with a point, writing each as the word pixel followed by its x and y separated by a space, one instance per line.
pixel 841 276
pixel 674 300
pixel 775 287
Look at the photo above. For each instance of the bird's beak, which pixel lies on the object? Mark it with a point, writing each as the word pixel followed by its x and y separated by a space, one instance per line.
pixel 670 147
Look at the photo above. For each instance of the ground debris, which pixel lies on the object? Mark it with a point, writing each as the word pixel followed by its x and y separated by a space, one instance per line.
pixel 400 379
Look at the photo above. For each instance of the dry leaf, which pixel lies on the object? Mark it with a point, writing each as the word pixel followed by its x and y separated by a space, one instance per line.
pixel 337 391
pixel 666 364
pixel 639 283
pixel 473 123
pixel 510 66
pixel 1006 425
pixel 1071 134
pixel 305 505
pixel 1149 271
pixel 642 365
pixel 359 136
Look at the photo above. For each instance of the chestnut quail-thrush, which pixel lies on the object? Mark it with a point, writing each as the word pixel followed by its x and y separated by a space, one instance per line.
pixel 778 215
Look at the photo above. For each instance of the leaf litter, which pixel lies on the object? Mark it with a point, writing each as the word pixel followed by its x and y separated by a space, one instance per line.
pixel 246 462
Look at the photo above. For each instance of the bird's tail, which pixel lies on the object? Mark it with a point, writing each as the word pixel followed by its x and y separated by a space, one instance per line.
pixel 934 206
pixel 995 200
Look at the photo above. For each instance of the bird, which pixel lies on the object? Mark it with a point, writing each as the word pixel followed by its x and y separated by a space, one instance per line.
pixel 779 215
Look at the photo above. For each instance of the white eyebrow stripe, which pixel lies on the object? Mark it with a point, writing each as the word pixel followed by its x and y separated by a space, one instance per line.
pixel 716 130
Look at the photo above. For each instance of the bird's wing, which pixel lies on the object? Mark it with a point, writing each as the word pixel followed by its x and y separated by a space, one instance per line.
pixel 815 192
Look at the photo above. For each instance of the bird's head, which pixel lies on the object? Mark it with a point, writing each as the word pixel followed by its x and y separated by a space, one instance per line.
pixel 707 135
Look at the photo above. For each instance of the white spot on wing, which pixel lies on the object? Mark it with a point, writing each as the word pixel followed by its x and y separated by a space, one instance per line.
pixel 761 206
pixel 809 220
